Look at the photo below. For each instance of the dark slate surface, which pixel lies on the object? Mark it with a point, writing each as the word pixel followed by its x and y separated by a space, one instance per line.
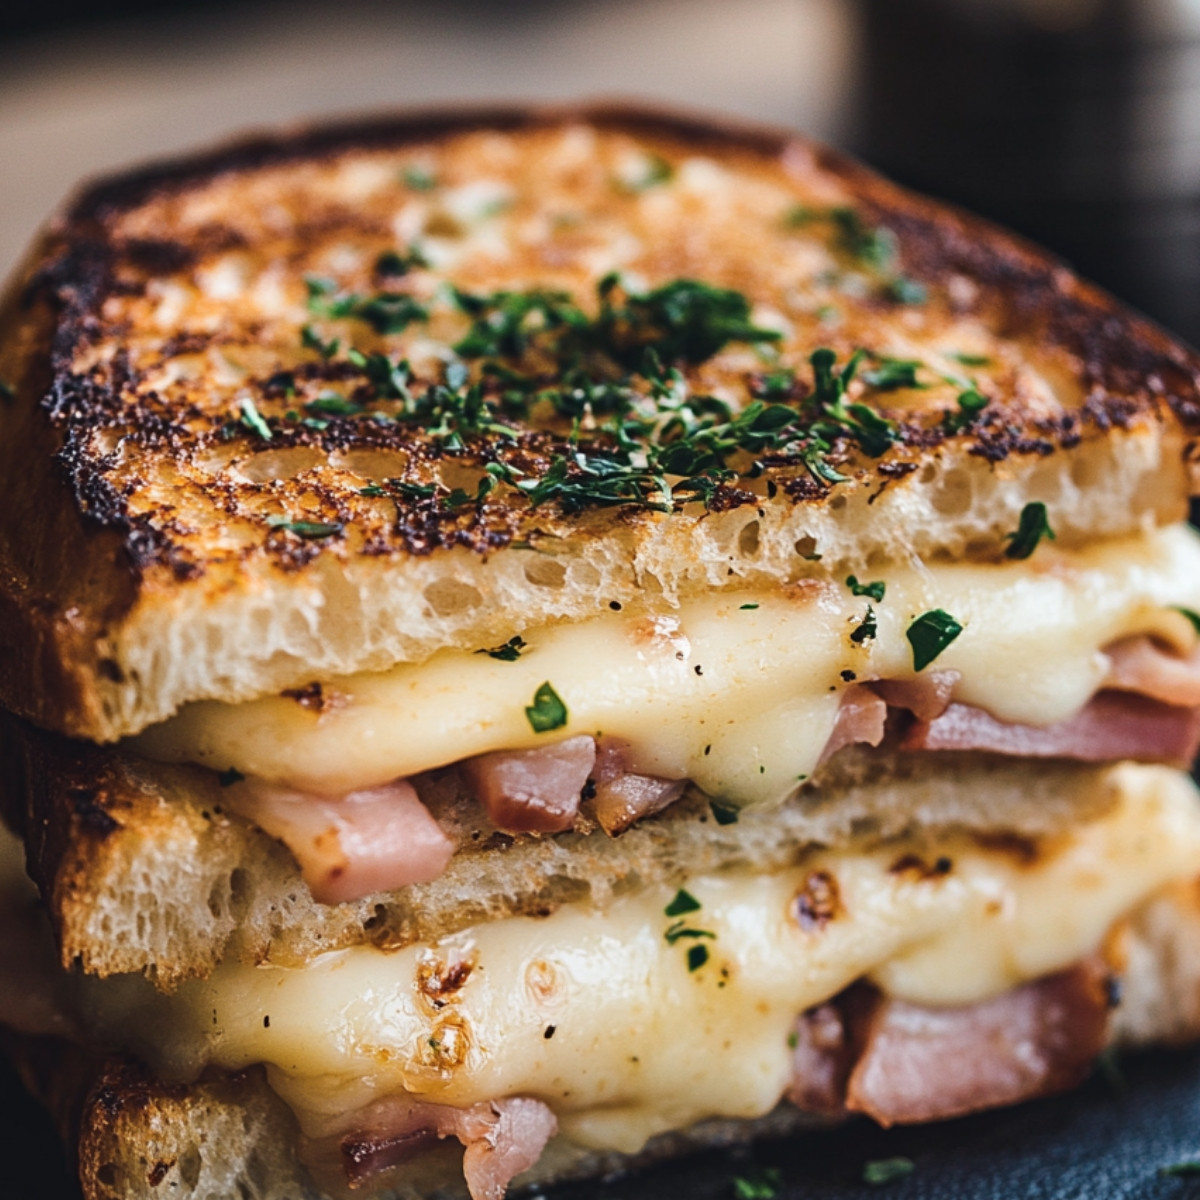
pixel 1107 1141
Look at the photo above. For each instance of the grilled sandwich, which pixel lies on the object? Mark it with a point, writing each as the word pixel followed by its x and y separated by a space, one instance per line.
pixel 536 639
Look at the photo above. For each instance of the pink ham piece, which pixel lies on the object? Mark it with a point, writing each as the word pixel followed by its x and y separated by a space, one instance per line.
pixel 532 791
pixel 622 797
pixel 860 718
pixel 927 1064
pixel 1140 664
pixel 904 1063
pixel 1111 726
pixel 350 846
pixel 502 1139
pixel 926 696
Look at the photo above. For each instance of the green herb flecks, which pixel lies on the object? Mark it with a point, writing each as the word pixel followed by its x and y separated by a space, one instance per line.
pixel 1188 1167
pixel 386 312
pixel 680 930
pixel 418 179
pixel 841 418
pixel 875 590
pixel 866 630
pixel 882 1171
pixel 1032 526
pixel 309 530
pixel 252 419
pixel 333 404
pixel 1191 614
pixel 763 1183
pixel 684 902
pixel 873 246
pixel 971 360
pixel 929 635
pixel 650 171
pixel 892 374
pixel 723 814
pixel 697 956
pixel 970 404
pixel 391 264
pixel 547 712
pixel 509 651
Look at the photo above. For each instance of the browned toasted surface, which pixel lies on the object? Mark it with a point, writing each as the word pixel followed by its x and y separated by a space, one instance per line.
pixel 177 439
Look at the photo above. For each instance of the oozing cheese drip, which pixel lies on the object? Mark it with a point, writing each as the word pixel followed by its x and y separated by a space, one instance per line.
pixel 737 691
pixel 597 1012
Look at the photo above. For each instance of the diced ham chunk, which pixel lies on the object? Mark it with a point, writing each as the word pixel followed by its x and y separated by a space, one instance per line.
pixel 904 1063
pixel 1111 726
pixel 861 717
pixel 533 791
pixel 502 1139
pixel 350 846
pixel 623 797
pixel 1140 664
pixel 926 696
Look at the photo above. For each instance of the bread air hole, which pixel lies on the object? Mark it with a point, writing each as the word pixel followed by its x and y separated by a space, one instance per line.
pixel 545 572
pixel 806 547
pixel 748 540
pixel 954 496
pixel 449 597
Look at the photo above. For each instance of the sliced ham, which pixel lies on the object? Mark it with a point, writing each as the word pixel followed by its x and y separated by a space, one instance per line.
pixel 502 1138
pixel 1112 725
pixel 621 796
pixel 861 717
pixel 904 1063
pixel 1141 664
pixel 532 791
pixel 926 696
pixel 350 846
pixel 927 1064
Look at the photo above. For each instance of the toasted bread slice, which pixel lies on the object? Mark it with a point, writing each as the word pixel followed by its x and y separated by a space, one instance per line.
pixel 140 1139
pixel 144 868
pixel 201 499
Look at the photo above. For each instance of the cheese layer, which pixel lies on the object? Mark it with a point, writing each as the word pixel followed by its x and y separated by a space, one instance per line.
pixel 737 691
pixel 601 1015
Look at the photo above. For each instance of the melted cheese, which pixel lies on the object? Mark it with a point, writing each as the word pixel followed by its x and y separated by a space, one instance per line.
pixel 737 691
pixel 641 1044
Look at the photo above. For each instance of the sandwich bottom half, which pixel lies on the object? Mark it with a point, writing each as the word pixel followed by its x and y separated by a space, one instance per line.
pixel 965 960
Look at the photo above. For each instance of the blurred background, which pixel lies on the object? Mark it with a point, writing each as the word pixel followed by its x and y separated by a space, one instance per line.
pixel 1076 122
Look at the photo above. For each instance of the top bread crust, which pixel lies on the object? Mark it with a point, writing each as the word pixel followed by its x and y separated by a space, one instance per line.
pixel 200 499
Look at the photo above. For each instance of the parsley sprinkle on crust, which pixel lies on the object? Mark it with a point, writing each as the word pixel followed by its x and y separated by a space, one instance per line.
pixel 697 956
pixel 547 712
pixel 929 635
pixel 1192 616
pixel 252 419
pixel 760 1184
pixel 1032 527
pixel 875 590
pixel 307 529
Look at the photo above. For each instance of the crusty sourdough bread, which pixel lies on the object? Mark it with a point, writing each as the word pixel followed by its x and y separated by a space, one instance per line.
pixel 142 1140
pixel 144 869
pixel 147 459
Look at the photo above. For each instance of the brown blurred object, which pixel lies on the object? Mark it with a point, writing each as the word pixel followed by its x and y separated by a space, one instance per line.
pixel 1076 122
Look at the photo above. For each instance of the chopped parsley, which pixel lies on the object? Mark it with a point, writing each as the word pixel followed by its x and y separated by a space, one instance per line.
pixel 418 179
pixel 312 340
pixel 882 1171
pixel 392 264
pixel 875 590
pixel 1031 528
pixel 681 930
pixel 230 777
pixel 510 651
pixel 252 419
pixel 873 246
pixel 891 374
pixel 723 814
pixel 684 902
pixel 902 289
pixel 697 956
pixel 763 1183
pixel 929 635
pixel 547 712
pixel 310 530
pixel 971 360
pixel 867 629
pixel 333 404
pixel 1189 1166
pixel 839 418
pixel 1191 615
pixel 651 171
pixel 970 404
pixel 386 312
pixel 747 607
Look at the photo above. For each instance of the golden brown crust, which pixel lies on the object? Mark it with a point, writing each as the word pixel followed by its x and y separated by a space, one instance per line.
pixel 131 478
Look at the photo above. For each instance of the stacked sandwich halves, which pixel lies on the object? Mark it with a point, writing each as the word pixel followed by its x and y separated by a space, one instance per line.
pixel 534 638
